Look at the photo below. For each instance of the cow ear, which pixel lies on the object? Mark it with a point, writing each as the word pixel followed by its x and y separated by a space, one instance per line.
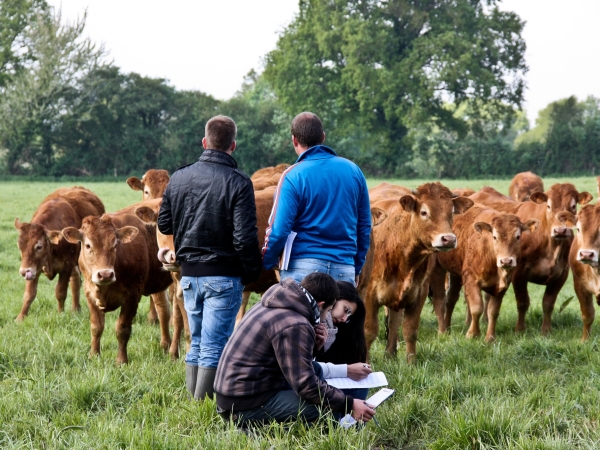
pixel 135 183
pixel 531 225
pixel 146 214
pixel 584 198
pixel 54 236
pixel 18 223
pixel 480 227
pixel 569 219
pixel 72 235
pixel 127 234
pixel 538 197
pixel 408 202
pixel 461 204
pixel 378 215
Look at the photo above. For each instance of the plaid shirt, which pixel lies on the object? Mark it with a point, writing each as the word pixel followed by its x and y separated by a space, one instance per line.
pixel 272 350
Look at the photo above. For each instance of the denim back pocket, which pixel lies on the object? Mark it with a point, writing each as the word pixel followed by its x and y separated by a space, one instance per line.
pixel 185 284
pixel 219 294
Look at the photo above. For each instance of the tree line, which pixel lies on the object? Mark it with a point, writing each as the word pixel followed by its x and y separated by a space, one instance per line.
pixel 406 88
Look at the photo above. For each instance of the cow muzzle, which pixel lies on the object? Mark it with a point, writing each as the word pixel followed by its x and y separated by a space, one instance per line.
pixel 104 276
pixel 444 242
pixel 507 263
pixel 28 273
pixel 587 256
pixel 168 259
pixel 561 232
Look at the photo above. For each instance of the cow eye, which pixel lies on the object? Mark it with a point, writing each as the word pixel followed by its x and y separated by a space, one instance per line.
pixel 423 213
pixel 88 246
pixel 518 237
pixel 495 238
pixel 38 247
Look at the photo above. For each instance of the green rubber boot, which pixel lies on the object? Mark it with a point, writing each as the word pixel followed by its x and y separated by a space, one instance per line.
pixel 205 382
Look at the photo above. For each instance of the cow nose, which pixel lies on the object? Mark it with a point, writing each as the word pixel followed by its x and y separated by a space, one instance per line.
pixel 560 231
pixel 171 257
pixel 448 240
pixel 586 255
pixel 26 273
pixel 105 275
pixel 507 262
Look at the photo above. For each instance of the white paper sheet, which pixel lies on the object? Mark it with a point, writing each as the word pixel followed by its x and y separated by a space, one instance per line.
pixel 287 251
pixel 374 379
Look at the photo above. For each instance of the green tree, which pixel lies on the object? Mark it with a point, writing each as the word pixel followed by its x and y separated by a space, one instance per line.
pixel 373 69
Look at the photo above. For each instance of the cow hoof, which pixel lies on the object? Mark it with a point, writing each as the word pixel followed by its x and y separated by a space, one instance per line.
pixel 20 318
pixel 490 339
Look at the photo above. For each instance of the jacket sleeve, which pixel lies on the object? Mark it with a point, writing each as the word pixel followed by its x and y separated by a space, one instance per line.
pixel 165 215
pixel 293 350
pixel 363 230
pixel 283 214
pixel 245 233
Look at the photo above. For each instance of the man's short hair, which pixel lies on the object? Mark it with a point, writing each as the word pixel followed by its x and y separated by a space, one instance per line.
pixel 308 129
pixel 220 132
pixel 322 287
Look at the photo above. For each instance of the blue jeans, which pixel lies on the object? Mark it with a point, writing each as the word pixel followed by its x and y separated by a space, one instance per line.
pixel 211 304
pixel 299 268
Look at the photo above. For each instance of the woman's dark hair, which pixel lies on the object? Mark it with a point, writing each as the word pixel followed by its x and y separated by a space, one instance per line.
pixel 350 345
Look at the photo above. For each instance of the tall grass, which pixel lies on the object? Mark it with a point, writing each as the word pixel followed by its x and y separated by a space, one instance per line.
pixel 522 392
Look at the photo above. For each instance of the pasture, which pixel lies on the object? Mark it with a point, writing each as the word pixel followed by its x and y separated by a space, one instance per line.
pixel 524 391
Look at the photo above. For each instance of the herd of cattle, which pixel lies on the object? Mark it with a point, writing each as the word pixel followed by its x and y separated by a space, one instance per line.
pixel 429 241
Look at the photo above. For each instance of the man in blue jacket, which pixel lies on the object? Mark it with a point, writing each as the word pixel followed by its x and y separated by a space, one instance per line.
pixel 324 199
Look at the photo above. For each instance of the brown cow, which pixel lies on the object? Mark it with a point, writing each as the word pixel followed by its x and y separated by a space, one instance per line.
pixel 119 265
pixel 419 224
pixel 268 171
pixel 584 261
pixel 153 183
pixel 489 247
pixel 523 185
pixel 43 250
pixel 463 192
pixel 545 252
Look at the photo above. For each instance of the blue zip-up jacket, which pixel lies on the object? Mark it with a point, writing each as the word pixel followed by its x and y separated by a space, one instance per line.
pixel 324 198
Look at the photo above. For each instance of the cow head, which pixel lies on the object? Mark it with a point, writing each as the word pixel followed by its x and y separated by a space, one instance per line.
pixel 35 244
pixel 587 223
pixel 505 231
pixel 166 246
pixel 153 183
pixel 559 198
pixel 432 206
pixel 99 241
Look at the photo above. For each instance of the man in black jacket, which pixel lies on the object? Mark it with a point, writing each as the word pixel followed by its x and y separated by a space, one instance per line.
pixel 209 209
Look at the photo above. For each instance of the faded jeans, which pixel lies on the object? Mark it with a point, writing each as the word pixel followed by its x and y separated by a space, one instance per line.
pixel 299 268
pixel 211 304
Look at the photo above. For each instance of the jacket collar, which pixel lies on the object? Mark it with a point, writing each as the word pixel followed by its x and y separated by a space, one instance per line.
pixel 219 157
pixel 288 295
pixel 316 152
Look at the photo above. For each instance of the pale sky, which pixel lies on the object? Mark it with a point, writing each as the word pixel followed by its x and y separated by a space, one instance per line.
pixel 210 45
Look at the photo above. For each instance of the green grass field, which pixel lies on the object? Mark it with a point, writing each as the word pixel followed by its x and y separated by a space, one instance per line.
pixel 522 392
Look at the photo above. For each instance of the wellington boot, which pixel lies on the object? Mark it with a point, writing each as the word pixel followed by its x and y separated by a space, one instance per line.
pixel 191 376
pixel 205 382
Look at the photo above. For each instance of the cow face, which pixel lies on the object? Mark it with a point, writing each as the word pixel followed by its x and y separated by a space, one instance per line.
pixel 505 234
pixel 432 206
pixel 587 223
pixel 153 183
pixel 559 198
pixel 99 241
pixel 166 246
pixel 35 244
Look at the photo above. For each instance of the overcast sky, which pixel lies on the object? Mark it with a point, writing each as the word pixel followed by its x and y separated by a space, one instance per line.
pixel 210 45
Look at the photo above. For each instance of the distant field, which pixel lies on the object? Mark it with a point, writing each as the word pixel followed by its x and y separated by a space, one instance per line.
pixel 522 392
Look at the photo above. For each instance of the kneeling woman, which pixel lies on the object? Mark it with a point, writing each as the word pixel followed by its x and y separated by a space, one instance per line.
pixel 345 351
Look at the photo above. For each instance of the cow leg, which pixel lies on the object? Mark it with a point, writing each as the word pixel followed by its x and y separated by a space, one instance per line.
pixel 96 326
pixel 438 290
pixel 371 320
pixel 522 297
pixel 177 329
pixel 550 295
pixel 394 319
pixel 152 314
pixel 586 304
pixel 60 291
pixel 75 283
pixel 486 300
pixel 123 326
pixel 475 303
pixel 492 309
pixel 243 306
pixel 410 325
pixel 28 297
pixel 452 297
pixel 164 317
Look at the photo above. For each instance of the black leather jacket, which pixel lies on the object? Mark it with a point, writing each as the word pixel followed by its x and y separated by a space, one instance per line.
pixel 209 209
